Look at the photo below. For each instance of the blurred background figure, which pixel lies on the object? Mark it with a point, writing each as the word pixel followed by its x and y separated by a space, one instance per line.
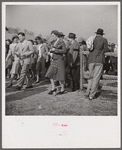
pixel 85 57
pixel 34 57
pixel 39 41
pixel 113 60
pixel 83 47
pixel 16 60
pixel 106 65
pixel 9 61
pixel 116 49
pixel 45 59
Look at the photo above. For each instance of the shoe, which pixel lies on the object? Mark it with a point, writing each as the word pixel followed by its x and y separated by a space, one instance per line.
pixel 8 77
pixel 18 88
pixel 51 92
pixel 86 94
pixel 91 98
pixel 37 82
pixel 61 92
pixel 73 89
pixel 28 87
pixel 10 85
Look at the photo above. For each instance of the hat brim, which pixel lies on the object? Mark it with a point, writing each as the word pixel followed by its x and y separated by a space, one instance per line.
pixel 71 37
pixel 62 35
pixel 100 33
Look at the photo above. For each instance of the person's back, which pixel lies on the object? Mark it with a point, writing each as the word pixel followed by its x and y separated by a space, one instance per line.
pixel 100 46
pixel 96 61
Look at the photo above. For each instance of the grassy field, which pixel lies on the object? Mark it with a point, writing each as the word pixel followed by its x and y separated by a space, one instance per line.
pixel 36 101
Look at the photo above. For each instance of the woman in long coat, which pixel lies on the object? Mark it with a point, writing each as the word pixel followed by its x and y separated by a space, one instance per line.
pixel 56 71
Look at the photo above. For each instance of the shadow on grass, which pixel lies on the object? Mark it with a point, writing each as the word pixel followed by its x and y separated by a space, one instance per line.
pixel 25 94
pixel 10 90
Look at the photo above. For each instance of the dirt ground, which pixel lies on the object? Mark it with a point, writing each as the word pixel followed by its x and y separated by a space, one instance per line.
pixel 36 101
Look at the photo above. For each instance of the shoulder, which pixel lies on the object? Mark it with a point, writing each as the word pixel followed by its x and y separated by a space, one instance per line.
pixel 28 42
pixel 18 44
pixel 76 44
pixel 44 45
pixel 104 39
pixel 66 41
pixel 11 45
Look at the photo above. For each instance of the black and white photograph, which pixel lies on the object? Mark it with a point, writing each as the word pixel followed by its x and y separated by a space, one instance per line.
pixel 61 74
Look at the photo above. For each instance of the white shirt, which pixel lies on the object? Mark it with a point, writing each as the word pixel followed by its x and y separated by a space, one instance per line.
pixel 39 49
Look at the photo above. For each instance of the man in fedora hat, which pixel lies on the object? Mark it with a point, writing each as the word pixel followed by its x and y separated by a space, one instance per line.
pixel 74 61
pixel 96 61
pixel 67 43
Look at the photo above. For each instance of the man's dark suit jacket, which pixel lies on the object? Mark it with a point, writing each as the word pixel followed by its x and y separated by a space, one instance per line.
pixel 73 54
pixel 100 46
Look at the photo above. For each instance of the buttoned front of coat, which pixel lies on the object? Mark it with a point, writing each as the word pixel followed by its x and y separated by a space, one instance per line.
pixel 24 48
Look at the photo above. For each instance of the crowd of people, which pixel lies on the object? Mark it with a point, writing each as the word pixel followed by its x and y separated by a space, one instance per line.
pixel 59 59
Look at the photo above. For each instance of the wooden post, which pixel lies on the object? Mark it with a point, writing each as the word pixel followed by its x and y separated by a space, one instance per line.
pixel 81 68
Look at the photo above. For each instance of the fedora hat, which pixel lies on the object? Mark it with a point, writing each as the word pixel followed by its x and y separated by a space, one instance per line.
pixel 38 38
pixel 55 32
pixel 61 34
pixel 72 35
pixel 112 44
pixel 100 31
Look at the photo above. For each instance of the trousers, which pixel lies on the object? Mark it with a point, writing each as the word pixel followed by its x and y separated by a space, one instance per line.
pixel 75 75
pixel 24 75
pixel 95 72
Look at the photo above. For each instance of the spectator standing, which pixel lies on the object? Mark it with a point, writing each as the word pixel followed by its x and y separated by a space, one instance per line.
pixel 96 60
pixel 9 61
pixel 44 58
pixel 67 73
pixel 113 60
pixel 85 57
pixel 74 61
pixel 34 57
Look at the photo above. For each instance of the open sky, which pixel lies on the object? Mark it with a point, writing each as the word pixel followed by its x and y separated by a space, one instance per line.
pixel 83 20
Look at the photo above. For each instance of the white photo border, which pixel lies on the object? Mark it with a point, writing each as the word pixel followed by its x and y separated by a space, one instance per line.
pixel 14 126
